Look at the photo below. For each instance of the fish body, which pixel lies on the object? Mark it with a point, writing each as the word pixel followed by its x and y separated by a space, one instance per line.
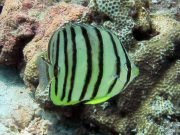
pixel 86 63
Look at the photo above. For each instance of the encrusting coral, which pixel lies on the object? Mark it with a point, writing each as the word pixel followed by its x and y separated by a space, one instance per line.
pixel 17 29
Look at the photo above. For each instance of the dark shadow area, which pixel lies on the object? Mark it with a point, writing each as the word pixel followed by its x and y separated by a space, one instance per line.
pixel 177 49
pixel 98 17
pixel 140 35
pixel 1 8
pixel 21 43
pixel 71 120
pixel 1 46
pixel 10 75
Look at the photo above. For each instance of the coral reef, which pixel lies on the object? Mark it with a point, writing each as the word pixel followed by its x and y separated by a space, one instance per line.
pixel 17 29
pixel 29 20
pixel 57 16
pixel 20 114
pixel 150 105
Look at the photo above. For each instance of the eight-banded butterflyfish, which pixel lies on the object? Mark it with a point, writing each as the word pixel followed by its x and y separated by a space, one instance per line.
pixel 86 63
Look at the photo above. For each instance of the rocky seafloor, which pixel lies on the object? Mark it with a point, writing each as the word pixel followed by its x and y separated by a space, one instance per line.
pixel 150 31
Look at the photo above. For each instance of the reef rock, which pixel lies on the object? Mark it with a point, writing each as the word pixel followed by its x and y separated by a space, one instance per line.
pixel 16 105
pixel 34 21
pixel 150 105
pixel 55 17
pixel 17 29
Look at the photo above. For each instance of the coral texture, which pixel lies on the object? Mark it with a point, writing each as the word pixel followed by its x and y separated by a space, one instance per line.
pixel 31 20
pixel 54 18
pixel 149 105
pixel 118 11
pixel 20 22
pixel 17 29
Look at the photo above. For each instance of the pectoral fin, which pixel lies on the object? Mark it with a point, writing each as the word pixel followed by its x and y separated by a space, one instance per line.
pixel 43 72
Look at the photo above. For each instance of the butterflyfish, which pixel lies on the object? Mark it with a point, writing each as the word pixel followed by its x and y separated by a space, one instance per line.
pixel 86 63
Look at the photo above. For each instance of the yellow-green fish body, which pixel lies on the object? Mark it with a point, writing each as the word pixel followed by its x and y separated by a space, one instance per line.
pixel 86 63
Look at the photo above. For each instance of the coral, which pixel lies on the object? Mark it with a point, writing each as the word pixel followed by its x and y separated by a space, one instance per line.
pixel 118 11
pixel 30 73
pixel 17 29
pixel 26 20
pixel 37 126
pixel 55 17
pixel 150 104
pixel 22 116
pixel 125 18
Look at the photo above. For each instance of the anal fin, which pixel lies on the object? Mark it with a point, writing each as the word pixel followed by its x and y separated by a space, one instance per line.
pixel 98 100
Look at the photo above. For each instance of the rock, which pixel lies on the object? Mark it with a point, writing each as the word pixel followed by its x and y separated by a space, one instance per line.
pixel 148 99
pixel 38 126
pixel 154 96
pixel 27 4
pixel 149 105
pixel 17 29
pixel 22 116
pixel 22 22
pixel 16 106
pixel 56 17
pixel 49 123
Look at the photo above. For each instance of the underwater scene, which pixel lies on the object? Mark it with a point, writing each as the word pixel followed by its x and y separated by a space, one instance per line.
pixel 89 67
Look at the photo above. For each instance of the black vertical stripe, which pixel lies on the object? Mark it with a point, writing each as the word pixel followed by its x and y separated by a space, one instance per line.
pixel 128 63
pixel 118 63
pixel 66 64
pixel 48 75
pixel 89 62
pixel 56 71
pixel 100 60
pixel 50 91
pixel 49 48
pixel 74 60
